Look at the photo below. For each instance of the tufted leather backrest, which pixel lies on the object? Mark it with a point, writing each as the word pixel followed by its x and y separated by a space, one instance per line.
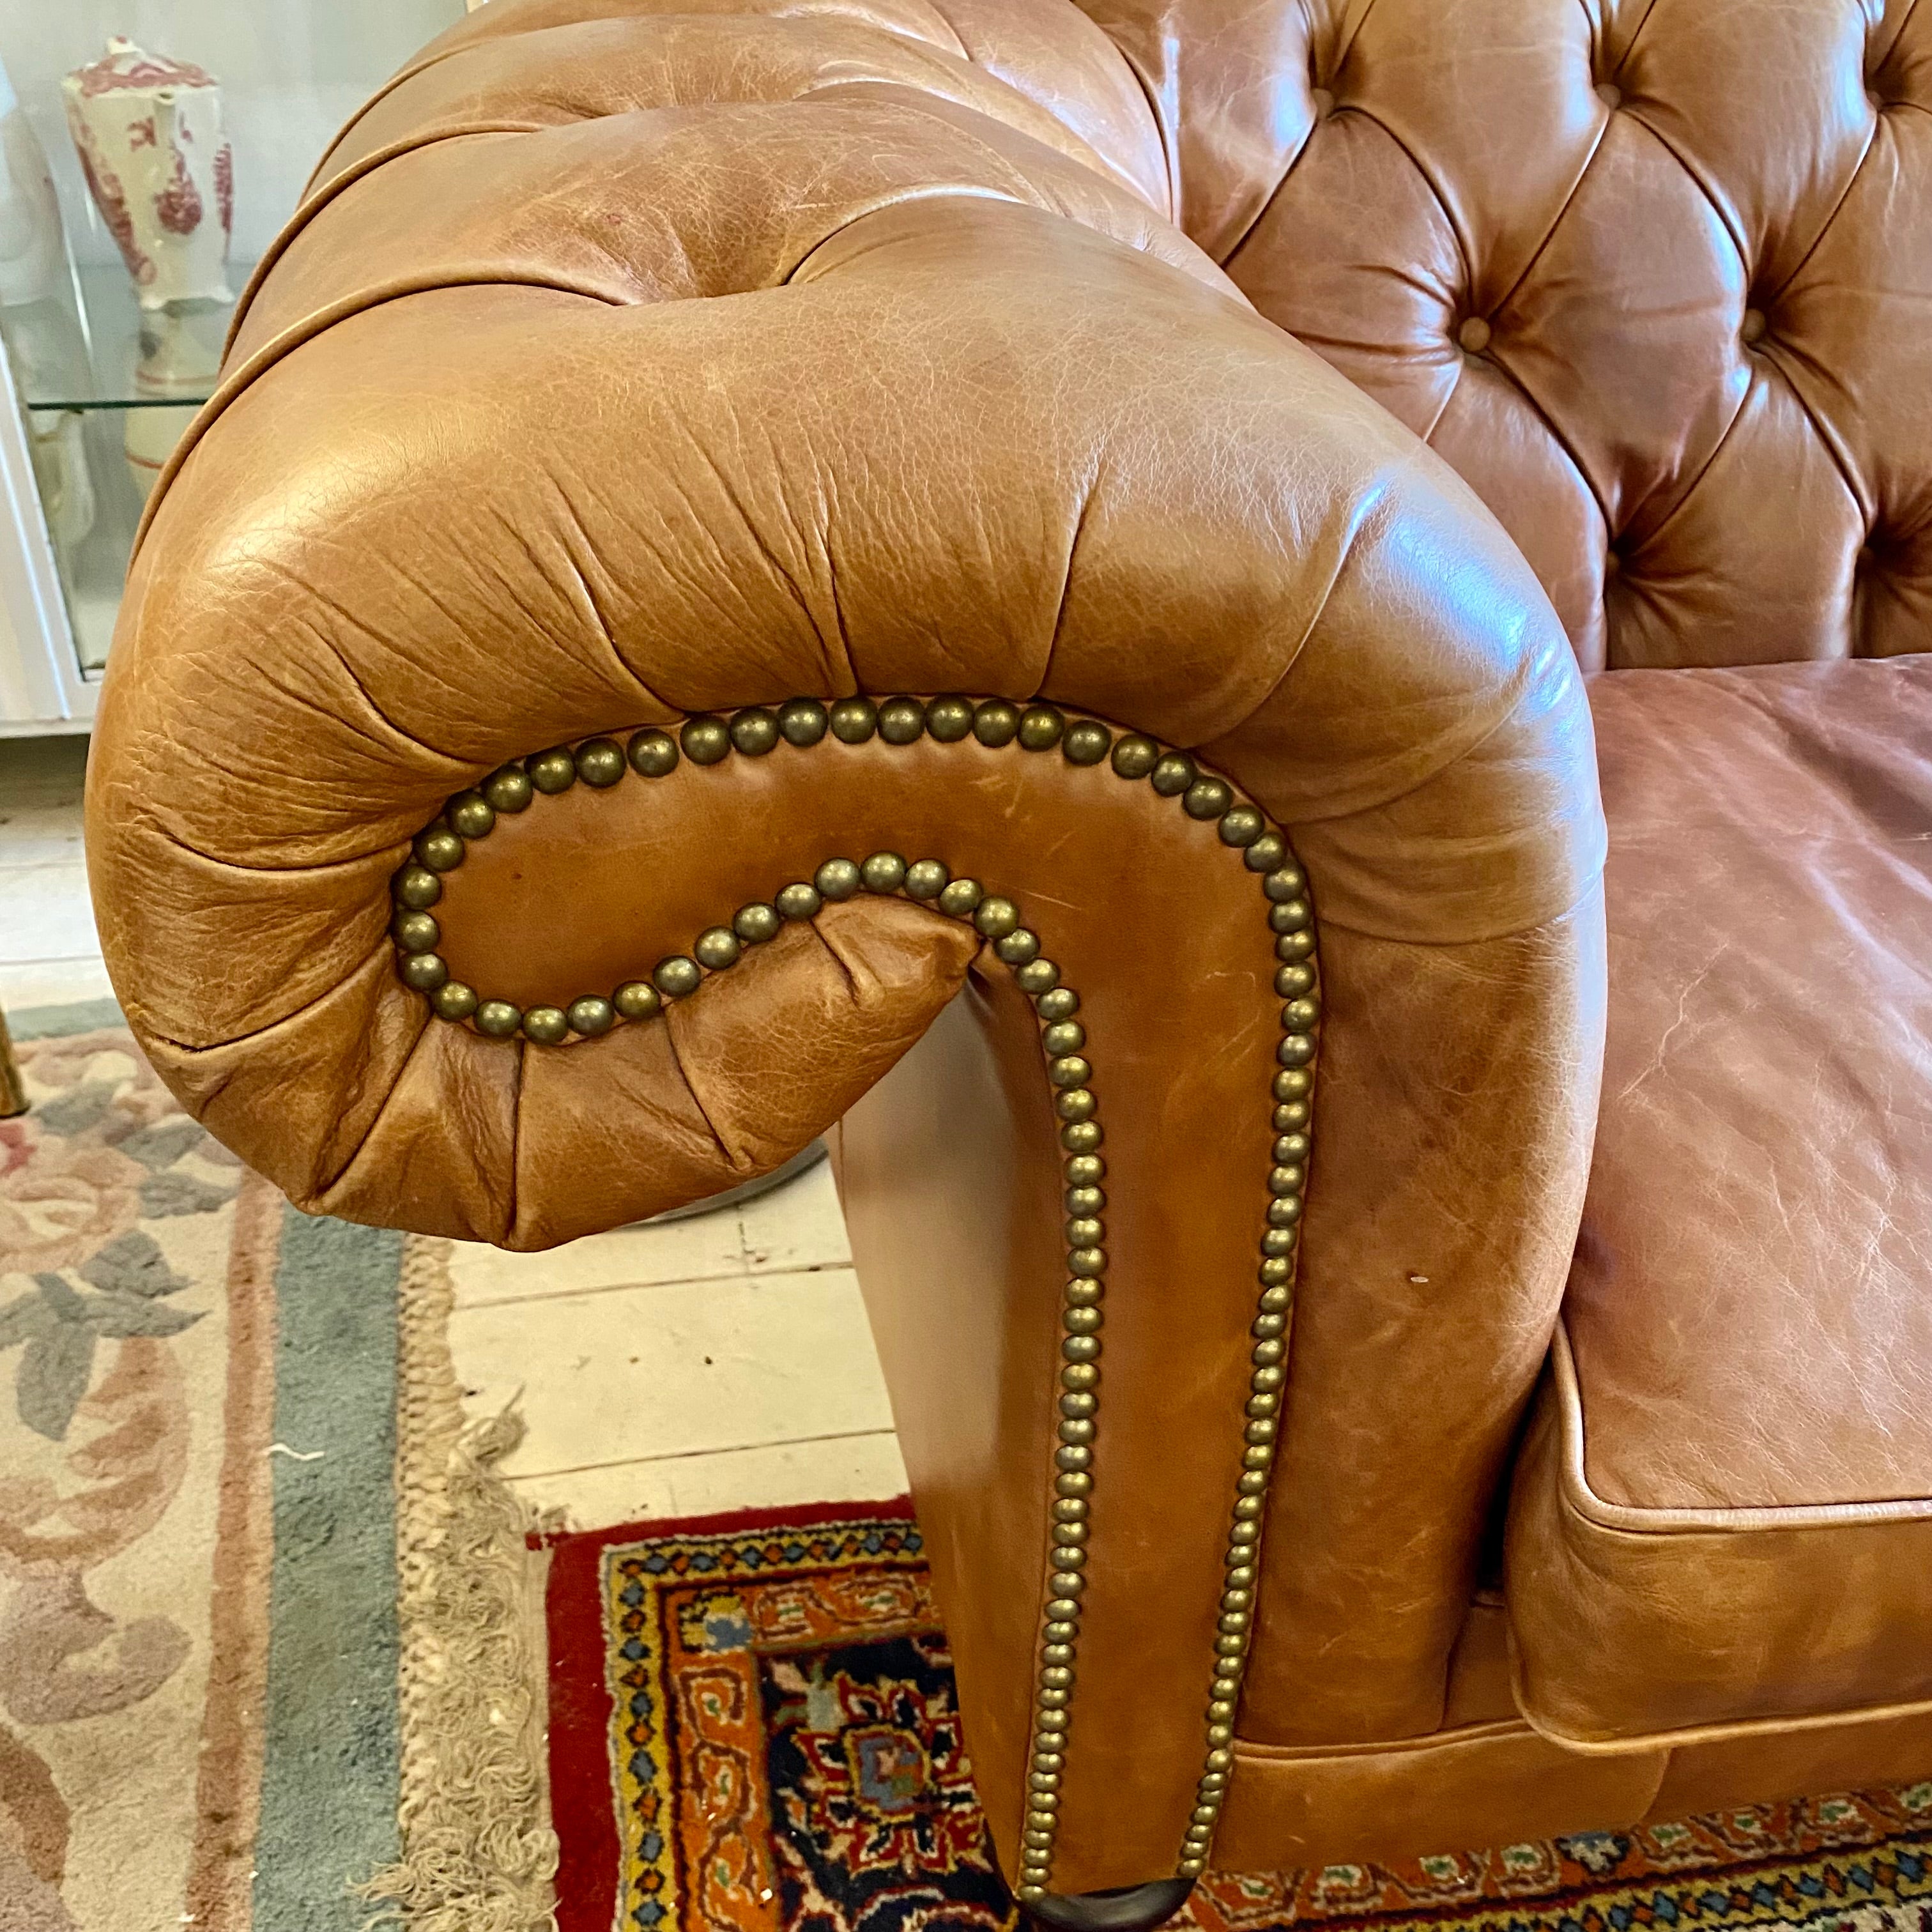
pixel 1654 275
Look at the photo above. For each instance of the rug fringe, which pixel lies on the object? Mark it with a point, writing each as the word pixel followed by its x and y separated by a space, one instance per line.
pixel 478 1853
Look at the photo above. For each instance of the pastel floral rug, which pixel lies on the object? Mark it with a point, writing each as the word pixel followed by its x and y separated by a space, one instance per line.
pixel 226 1700
pixel 753 1727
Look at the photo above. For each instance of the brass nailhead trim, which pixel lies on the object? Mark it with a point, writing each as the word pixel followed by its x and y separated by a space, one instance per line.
pixel 755 732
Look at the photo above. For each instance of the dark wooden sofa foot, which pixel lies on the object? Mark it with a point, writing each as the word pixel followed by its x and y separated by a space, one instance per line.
pixel 1133 1908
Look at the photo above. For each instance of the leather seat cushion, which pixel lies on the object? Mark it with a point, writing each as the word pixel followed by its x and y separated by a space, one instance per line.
pixel 1722 1510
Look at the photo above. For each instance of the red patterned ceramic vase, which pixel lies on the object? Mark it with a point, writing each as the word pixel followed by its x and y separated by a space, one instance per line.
pixel 149 131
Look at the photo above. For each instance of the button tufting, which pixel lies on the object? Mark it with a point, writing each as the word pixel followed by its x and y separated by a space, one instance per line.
pixel 1610 95
pixel 1474 335
pixel 1751 329
pixel 1613 564
pixel 1325 103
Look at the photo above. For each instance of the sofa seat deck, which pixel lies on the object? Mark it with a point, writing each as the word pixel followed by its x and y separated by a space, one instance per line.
pixel 1722 1515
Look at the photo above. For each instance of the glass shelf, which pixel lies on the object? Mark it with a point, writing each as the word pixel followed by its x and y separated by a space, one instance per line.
pixel 84 349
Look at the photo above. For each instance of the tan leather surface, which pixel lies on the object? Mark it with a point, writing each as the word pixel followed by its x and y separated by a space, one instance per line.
pixel 1485 1786
pixel 1726 1513
pixel 1761 1201
pixel 630 359
pixel 1691 1624
pixel 1692 237
pixel 1771 1764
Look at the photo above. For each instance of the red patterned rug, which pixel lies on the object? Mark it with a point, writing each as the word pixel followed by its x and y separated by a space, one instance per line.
pixel 752 1726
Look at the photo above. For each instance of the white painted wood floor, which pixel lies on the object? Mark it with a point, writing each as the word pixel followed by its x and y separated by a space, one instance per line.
pixel 718 1363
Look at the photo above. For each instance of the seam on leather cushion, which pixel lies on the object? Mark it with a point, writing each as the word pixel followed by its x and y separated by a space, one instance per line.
pixel 1626 1518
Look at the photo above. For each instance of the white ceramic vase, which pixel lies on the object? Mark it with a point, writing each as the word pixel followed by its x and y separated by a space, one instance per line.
pixel 149 131
pixel 32 258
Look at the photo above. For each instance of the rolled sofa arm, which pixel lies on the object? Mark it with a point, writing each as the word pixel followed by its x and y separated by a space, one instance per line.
pixel 721 532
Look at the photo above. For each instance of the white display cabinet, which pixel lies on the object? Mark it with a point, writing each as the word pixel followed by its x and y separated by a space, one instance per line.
pixel 95 387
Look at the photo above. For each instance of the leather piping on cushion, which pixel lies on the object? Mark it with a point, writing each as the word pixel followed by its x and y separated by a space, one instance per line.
pixel 1379 1802
pixel 1553 1459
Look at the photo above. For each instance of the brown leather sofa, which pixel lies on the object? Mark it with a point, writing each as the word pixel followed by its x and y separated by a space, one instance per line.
pixel 912 568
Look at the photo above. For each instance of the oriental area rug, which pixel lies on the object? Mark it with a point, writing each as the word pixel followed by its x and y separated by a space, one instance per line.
pixel 753 1727
pixel 246 1546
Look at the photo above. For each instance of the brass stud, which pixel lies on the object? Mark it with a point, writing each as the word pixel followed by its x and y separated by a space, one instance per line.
pixel 498 1018
pixel 1081 1320
pixel 854 720
pixel 1082 1291
pixel 1284 883
pixel 1295 1049
pixel 590 1015
pixel 424 972
pixel 1263 1405
pixel 1085 1200
pixel 1206 798
pixel 1064 1036
pixel 1291 981
pixel 1075 1431
pixel 1069 1069
pixel 797 900
pixel 546 1025
pixel 1040 728
pixel 754 731
pixel 1276 1299
pixel 1266 1327
pixel 717 947
pixel 1191 1867
pixel 1173 774
pixel 509 789
pixel 1291 1147
pixel 1266 853
pixel 1298 1016
pixel 706 739
pixel 1085 742
pixel 600 763
pixel 1291 1117
pixel 1284 1181
pixel 836 879
pixel 1276 1271
pixel 1081 1377
pixel 1079 1348
pixel 949 719
pixel 995 917
pixel 901 720
pixel 1292 1083
pixel 1087 1264
pixel 1080 1136
pixel 755 923
pixel 960 897
pixel 1018 946
pixel 1294 916
pixel 637 1000
pixel 1280 1239
pixel 471 815
pixel 1086 1170
pixel 415 931
pixel 1083 1231
pixel 416 887
pixel 996 723
pixel 1295 945
pixel 1037 976
pixel 553 771
pixel 925 879
pixel 1241 826
pixel 675 977
pixel 453 1001
pixel 439 850
pixel 802 722
pixel 652 753
pixel 1135 756
pixel 1057 1002
pixel 883 872
pixel 1074 1104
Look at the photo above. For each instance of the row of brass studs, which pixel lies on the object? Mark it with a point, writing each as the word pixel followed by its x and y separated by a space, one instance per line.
pixel 755 732
pixel 1292 921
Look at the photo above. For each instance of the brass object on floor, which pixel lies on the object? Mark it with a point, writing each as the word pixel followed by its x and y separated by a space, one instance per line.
pixel 13 1088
